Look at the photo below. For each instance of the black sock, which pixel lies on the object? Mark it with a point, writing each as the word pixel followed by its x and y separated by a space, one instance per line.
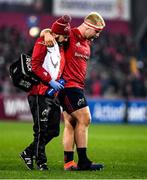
pixel 82 154
pixel 68 156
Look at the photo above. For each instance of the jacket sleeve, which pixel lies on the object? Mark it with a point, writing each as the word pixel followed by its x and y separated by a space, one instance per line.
pixel 39 53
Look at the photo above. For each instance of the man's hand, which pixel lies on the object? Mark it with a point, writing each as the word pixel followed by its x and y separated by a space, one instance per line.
pixel 56 85
pixel 48 38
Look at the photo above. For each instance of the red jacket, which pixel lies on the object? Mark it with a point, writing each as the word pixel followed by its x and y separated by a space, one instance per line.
pixel 47 63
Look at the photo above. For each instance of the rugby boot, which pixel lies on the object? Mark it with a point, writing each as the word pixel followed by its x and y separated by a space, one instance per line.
pixel 89 165
pixel 70 166
pixel 27 159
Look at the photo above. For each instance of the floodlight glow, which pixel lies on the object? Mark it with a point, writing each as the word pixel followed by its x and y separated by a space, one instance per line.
pixel 34 31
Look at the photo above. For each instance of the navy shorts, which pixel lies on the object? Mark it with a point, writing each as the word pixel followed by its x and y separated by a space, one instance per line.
pixel 72 99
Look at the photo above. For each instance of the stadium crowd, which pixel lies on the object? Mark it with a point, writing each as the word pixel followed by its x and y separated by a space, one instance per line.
pixel 12 43
pixel 117 67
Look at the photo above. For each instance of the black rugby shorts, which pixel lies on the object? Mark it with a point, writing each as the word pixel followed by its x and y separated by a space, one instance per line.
pixel 72 99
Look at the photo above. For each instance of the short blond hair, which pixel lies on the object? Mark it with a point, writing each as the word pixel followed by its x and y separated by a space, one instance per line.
pixel 95 21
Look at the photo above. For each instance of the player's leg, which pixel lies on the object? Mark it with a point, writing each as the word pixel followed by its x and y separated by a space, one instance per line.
pixel 68 134
pixel 76 105
pixel 68 142
pixel 81 133
pixel 74 102
pixel 83 118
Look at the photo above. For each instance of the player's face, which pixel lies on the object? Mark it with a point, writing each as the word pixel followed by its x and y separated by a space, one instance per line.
pixel 91 34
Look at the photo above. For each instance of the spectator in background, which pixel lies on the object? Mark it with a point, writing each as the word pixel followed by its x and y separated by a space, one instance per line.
pixel 95 84
pixel 12 43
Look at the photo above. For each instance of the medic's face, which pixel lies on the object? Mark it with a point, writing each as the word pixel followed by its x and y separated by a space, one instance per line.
pixel 61 38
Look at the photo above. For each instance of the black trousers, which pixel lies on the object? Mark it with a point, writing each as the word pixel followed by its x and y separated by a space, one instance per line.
pixel 46 116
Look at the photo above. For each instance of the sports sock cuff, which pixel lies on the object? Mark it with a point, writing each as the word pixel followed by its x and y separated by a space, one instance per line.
pixel 68 156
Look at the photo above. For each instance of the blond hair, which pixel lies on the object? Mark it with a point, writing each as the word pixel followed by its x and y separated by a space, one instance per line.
pixel 95 21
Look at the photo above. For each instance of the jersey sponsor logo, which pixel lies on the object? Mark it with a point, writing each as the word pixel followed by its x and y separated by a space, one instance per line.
pixel 81 56
pixel 81 102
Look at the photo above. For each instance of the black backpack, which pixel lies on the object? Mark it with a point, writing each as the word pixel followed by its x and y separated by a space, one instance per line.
pixel 21 73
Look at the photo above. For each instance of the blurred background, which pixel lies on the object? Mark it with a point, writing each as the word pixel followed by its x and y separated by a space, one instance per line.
pixel 116 84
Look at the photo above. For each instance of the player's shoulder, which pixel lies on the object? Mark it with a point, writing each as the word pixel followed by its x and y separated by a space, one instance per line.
pixel 76 34
pixel 40 40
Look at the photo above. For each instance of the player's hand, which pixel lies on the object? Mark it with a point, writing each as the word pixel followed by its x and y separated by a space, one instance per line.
pixel 48 38
pixel 56 85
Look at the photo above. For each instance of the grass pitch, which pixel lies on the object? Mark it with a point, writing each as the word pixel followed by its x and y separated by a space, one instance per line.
pixel 121 148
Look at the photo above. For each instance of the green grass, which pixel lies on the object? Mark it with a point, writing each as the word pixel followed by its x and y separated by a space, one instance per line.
pixel 122 149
